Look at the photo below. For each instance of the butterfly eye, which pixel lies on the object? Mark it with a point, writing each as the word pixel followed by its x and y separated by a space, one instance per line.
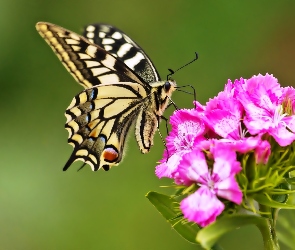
pixel 167 86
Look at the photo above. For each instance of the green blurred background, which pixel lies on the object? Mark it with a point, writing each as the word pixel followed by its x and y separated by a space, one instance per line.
pixel 42 207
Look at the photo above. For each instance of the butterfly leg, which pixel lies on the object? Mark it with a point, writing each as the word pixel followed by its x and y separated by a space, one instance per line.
pixel 166 122
pixel 172 103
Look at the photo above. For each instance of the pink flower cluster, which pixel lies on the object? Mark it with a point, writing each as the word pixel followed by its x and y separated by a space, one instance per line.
pixel 204 142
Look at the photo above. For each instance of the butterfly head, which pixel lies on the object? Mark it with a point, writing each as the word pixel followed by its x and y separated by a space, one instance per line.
pixel 167 89
pixel 163 91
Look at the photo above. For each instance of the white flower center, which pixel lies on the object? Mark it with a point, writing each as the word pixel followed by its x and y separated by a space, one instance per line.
pixel 278 116
pixel 186 135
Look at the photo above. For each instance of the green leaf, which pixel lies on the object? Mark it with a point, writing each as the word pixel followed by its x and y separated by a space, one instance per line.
pixel 167 207
pixel 209 235
pixel 285 231
pixel 262 199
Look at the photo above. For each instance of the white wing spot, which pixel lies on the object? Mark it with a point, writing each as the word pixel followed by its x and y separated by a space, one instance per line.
pixel 69 118
pixel 91 165
pixel 78 138
pixel 90 35
pixel 91 64
pixel 83 98
pixel 90 28
pixel 108 41
pixel 108 47
pixel 76 111
pixel 109 61
pixel 132 62
pixel 99 71
pixel 105 28
pixel 70 135
pixel 124 49
pixel 74 36
pixel 83 56
pixel 91 50
pixel 60 34
pixel 74 126
pixel 111 78
pixel 82 152
pixel 76 48
pixel 101 34
pixel 93 158
pixel 117 35
pixel 71 41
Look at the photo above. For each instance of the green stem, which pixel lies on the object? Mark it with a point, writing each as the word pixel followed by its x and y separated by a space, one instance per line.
pixel 269 236
pixel 268 232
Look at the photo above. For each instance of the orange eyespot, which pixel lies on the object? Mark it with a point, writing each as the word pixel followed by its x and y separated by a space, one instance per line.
pixel 110 154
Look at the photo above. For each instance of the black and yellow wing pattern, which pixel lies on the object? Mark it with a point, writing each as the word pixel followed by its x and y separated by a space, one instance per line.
pixel 122 88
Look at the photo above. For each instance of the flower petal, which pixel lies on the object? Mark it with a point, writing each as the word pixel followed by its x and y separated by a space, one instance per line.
pixel 225 163
pixel 201 207
pixel 284 133
pixel 168 167
pixel 193 166
pixel 262 152
pixel 229 189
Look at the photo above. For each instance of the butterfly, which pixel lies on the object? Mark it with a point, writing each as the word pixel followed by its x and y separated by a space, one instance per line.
pixel 121 87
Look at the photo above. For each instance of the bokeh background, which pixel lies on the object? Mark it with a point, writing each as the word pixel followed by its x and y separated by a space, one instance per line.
pixel 42 207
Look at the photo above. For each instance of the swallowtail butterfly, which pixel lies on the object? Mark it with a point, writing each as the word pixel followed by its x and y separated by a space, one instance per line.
pixel 122 87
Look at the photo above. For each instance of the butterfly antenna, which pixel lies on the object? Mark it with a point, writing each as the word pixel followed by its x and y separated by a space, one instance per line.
pixel 180 90
pixel 172 72
pixel 194 90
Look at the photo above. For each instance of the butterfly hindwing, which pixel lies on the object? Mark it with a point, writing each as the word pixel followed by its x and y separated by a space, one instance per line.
pixel 117 43
pixel 98 119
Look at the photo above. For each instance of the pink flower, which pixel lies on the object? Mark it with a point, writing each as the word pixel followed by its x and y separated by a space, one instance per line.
pixel 205 143
pixel 187 129
pixel 262 98
pixel 203 206
pixel 224 116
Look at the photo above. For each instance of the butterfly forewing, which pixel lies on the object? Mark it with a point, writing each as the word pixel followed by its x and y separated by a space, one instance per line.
pixel 122 47
pixel 88 63
pixel 122 88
